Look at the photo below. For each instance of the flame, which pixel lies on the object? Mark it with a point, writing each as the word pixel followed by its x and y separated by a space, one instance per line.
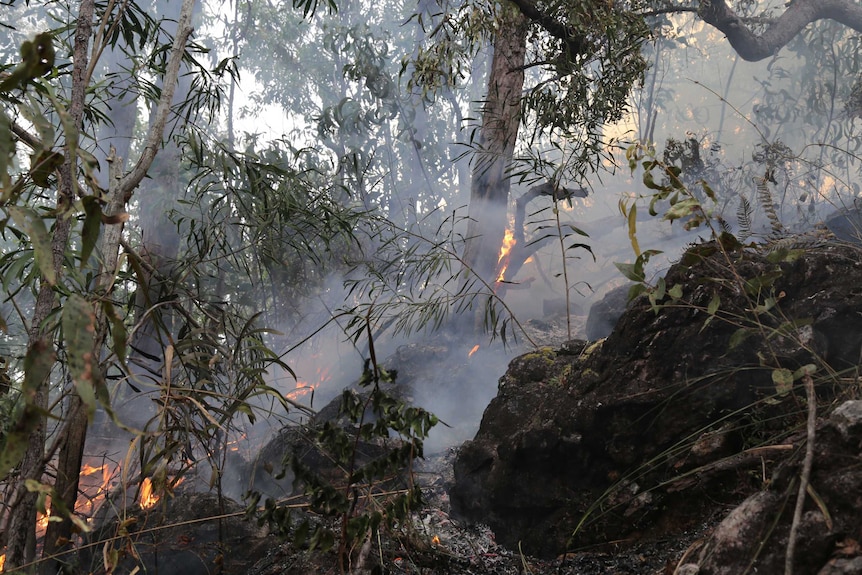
pixel 304 388
pixel 474 350
pixel 88 469
pixel 234 445
pixel 148 498
pixel 2 561
pixel 505 252
pixel 435 540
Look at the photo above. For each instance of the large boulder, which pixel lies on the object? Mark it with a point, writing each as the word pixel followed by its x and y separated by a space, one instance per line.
pixel 651 431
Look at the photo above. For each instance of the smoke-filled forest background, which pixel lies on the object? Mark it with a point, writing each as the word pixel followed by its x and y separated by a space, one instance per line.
pixel 214 213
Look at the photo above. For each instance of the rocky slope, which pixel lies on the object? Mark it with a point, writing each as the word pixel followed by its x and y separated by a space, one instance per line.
pixel 683 412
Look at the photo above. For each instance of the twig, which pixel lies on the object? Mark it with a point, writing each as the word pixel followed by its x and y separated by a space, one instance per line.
pixel 806 473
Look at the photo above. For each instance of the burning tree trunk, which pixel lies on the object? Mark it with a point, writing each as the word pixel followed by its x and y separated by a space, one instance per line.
pixel 519 249
pixel 501 117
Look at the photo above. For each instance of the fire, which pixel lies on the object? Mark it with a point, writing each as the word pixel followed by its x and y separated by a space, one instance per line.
pixel 148 498
pixel 505 252
pixel 2 561
pixel 474 350
pixel 42 521
pixel 304 388
pixel 88 469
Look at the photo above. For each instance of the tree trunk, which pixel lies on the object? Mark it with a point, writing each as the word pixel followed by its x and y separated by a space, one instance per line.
pixel 58 535
pixel 501 118
pixel 20 544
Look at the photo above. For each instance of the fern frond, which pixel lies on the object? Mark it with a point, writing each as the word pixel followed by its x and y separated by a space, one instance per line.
pixel 803 242
pixel 767 202
pixel 743 218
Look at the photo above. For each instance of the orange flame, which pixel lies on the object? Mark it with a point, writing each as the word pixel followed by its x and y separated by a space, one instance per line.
pixel 148 498
pixel 304 388
pixel 42 521
pixel 2 561
pixel 474 350
pixel 505 252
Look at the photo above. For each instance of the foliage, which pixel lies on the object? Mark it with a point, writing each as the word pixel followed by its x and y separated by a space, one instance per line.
pixel 363 495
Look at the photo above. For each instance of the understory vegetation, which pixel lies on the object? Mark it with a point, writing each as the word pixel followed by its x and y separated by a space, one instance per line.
pixel 203 203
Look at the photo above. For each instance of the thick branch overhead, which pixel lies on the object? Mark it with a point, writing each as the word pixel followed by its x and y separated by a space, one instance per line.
pixel 575 43
pixel 798 15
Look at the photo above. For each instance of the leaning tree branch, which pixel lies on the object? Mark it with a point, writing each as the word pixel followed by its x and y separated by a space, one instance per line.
pixel 169 84
pixel 576 44
pixel 799 14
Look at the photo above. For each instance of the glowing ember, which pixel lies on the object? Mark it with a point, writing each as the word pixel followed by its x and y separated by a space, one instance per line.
pixel 505 252
pixel 474 350
pixel 148 498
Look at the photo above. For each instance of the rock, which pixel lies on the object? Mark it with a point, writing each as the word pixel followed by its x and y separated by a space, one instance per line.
pixel 846 224
pixel 735 545
pixel 644 434
pixel 605 313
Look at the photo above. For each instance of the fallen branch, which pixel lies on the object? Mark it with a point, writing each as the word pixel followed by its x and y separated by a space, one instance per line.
pixel 806 473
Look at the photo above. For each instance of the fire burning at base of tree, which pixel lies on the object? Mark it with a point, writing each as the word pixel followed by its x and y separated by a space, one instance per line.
pixel 505 254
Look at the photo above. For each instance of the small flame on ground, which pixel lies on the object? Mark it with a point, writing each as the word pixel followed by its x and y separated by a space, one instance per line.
pixel 148 498
pixel 435 540
pixel 304 388
pixel 474 350
pixel 2 561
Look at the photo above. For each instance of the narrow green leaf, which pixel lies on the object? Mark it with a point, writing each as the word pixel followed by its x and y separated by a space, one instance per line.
pixel 739 336
pixel 92 225
pixel 714 304
pixel 37 366
pixel 42 166
pixel 33 225
pixel 783 380
pixel 630 271
pixel 7 152
pixel 79 330
pixel 633 228
pixel 119 336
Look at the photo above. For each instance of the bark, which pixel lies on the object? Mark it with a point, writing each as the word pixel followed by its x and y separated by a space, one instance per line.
pixel 501 117
pixel 799 14
pixel 58 535
pixel 21 537
pixel 20 544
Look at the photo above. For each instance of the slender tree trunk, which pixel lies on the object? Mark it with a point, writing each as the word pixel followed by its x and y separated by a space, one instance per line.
pixel 58 535
pixel 20 544
pixel 501 118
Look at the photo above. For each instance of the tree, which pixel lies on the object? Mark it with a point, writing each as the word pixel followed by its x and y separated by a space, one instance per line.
pixel 586 77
